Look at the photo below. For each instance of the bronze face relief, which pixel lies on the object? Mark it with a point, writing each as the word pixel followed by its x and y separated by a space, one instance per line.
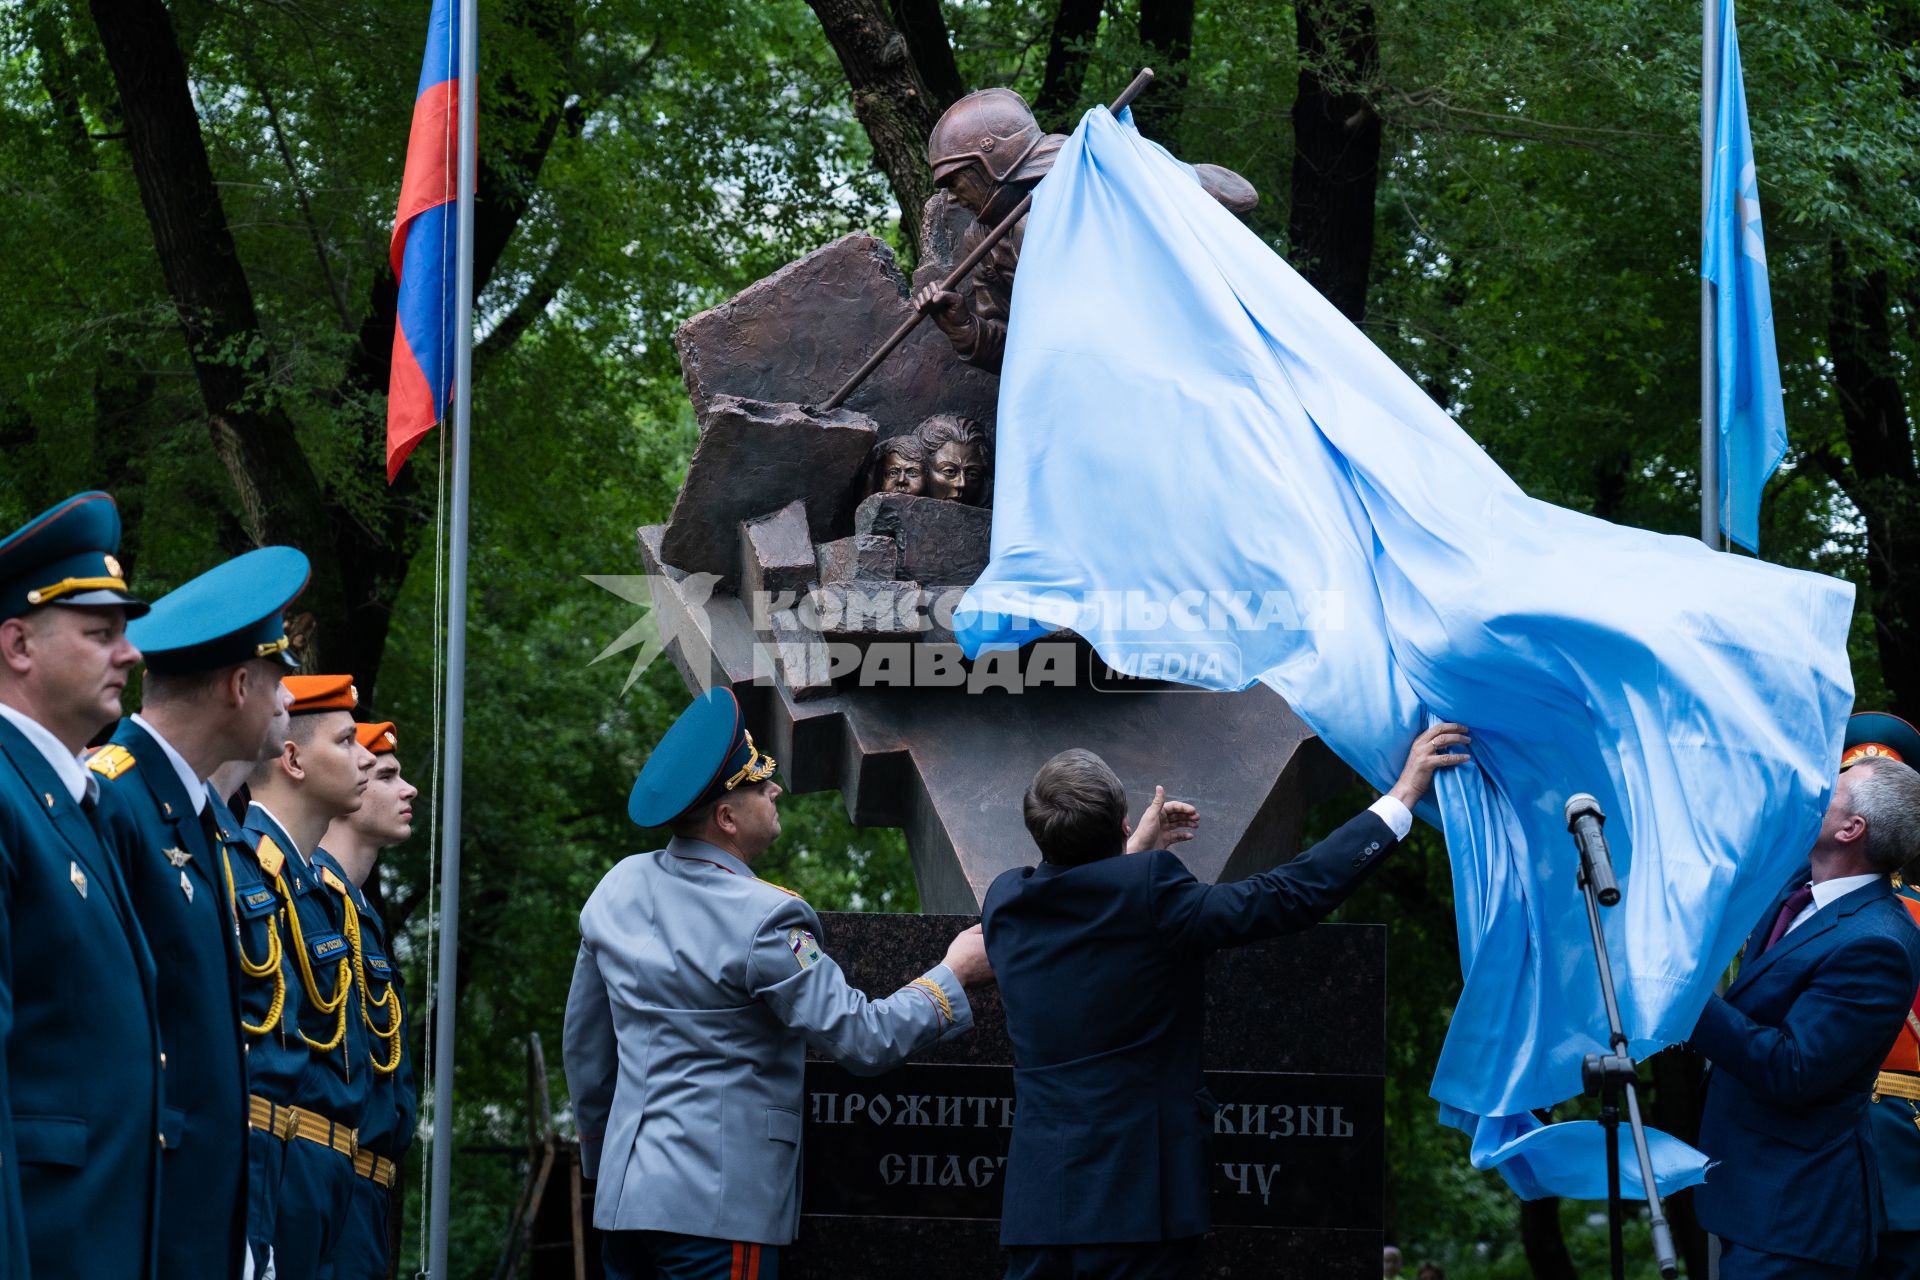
pixel 957 462
pixel 898 466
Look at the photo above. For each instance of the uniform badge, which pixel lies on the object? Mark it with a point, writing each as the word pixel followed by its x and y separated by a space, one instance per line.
pixel 186 886
pixel 178 857
pixel 805 950
pixel 78 878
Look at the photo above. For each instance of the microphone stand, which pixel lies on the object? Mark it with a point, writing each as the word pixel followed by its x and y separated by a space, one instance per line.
pixel 1614 1075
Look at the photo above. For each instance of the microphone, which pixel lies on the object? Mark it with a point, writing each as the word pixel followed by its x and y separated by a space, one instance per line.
pixel 1584 820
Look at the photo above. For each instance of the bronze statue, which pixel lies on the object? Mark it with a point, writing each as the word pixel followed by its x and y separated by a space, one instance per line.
pixel 987 152
pixel 956 458
pixel 899 465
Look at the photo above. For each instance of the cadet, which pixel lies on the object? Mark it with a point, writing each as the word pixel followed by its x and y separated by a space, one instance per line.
pixel 320 774
pixel 80 1083
pixel 697 992
pixel 270 991
pixel 1894 1115
pixel 350 849
pixel 215 651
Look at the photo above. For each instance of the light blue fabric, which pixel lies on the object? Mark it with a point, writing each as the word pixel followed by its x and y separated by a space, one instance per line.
pixel 1733 256
pixel 1186 429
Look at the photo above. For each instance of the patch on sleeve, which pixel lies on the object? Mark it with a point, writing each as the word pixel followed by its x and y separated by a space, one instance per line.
pixel 805 950
pixel 328 946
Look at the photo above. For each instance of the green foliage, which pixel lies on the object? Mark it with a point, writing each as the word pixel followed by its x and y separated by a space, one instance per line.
pixel 1535 269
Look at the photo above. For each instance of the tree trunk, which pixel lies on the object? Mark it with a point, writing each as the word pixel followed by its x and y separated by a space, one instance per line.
pixel 1075 27
pixel 1336 158
pixel 280 497
pixel 892 102
pixel 925 28
pixel 1881 478
pixel 1541 1238
pixel 1166 28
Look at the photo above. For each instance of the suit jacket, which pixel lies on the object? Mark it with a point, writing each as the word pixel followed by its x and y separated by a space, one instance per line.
pixel 78 1008
pixel 1795 1045
pixel 696 994
pixel 1100 968
pixel 179 894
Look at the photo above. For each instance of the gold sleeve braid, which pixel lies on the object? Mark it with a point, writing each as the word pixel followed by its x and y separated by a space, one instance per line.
pixel 343 981
pixel 938 996
pixel 258 969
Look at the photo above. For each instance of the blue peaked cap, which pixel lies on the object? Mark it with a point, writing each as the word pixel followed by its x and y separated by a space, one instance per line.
pixel 231 613
pixel 1876 733
pixel 66 555
pixel 707 753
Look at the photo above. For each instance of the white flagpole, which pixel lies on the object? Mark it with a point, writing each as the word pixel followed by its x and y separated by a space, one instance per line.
pixel 1709 339
pixel 447 994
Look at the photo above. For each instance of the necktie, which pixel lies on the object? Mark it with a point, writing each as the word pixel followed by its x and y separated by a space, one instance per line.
pixel 1795 903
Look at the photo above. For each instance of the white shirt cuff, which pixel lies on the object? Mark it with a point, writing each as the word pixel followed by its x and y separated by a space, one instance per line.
pixel 1390 811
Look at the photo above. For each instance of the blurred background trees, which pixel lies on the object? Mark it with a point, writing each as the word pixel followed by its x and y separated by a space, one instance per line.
pixel 195 206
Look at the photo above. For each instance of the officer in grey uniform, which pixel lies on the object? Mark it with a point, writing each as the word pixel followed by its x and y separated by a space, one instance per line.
pixel 697 992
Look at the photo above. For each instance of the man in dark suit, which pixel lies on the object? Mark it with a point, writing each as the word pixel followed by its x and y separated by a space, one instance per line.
pixel 1828 975
pixel 1108 1173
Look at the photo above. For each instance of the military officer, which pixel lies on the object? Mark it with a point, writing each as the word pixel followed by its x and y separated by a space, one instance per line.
pixel 1895 1112
pixel 320 774
pixel 697 991
pixel 80 1082
pixel 350 849
pixel 215 652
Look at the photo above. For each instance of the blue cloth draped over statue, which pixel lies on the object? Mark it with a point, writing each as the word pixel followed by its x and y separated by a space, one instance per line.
pixel 1205 469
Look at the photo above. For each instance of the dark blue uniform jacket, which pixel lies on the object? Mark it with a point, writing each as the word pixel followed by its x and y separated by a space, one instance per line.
pixel 77 1006
pixel 1100 968
pixel 174 876
pixel 1795 1046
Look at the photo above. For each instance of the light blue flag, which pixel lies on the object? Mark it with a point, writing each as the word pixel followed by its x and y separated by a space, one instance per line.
pixel 1733 256
pixel 1203 467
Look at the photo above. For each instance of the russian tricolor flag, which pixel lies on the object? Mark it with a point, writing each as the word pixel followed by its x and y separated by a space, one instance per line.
pixel 423 246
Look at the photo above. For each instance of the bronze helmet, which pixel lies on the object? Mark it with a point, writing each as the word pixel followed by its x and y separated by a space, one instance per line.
pixel 992 127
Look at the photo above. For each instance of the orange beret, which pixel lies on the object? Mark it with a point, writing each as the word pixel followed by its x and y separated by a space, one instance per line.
pixel 322 693
pixel 377 738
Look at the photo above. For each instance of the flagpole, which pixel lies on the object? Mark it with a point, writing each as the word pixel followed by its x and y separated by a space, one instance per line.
pixel 447 994
pixel 1709 326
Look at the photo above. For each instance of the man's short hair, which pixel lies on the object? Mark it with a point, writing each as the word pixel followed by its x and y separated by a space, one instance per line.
pixel 692 824
pixel 1076 809
pixel 1887 794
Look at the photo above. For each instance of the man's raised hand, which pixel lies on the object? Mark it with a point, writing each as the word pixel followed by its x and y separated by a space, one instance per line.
pixel 1164 824
pixel 1432 751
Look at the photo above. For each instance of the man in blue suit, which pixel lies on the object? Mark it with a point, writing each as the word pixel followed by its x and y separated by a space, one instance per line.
pixel 1108 1174
pixel 80 1077
pixel 1828 976
pixel 216 650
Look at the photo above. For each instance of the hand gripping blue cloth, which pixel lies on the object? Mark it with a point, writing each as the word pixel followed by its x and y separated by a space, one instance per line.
pixel 1205 470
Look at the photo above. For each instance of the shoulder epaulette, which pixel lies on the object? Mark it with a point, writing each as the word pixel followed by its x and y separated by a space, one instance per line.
pixel 782 888
pixel 111 761
pixel 333 881
pixel 269 856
